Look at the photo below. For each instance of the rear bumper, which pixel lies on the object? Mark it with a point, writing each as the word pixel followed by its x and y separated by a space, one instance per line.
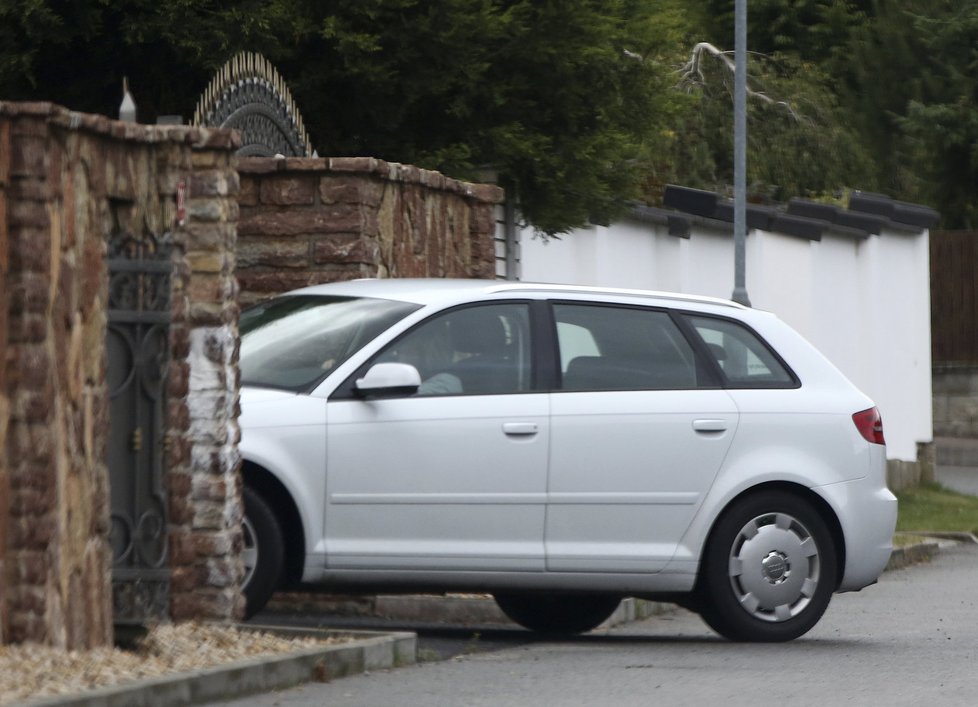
pixel 867 513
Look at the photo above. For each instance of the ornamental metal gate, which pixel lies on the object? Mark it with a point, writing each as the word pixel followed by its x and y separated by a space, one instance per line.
pixel 138 351
pixel 248 94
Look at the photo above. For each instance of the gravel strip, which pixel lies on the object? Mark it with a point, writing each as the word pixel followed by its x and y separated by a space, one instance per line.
pixel 30 671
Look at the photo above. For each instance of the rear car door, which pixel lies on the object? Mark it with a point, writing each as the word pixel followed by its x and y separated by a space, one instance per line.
pixel 639 430
pixel 452 477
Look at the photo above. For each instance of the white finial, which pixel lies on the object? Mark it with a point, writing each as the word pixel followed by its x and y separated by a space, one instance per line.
pixel 127 109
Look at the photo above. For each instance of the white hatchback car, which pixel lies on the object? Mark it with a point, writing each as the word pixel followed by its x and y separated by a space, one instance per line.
pixel 559 447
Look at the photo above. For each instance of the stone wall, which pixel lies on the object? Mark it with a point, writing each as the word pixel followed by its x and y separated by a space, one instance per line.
pixel 203 465
pixel 69 181
pixel 5 386
pixel 55 509
pixel 305 221
pixel 956 413
pixel 955 400
pixel 902 474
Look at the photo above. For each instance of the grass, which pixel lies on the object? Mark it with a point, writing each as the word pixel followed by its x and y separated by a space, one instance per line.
pixel 933 507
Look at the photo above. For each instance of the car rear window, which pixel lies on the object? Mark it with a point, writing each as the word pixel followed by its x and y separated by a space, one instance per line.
pixel 607 347
pixel 745 360
pixel 294 342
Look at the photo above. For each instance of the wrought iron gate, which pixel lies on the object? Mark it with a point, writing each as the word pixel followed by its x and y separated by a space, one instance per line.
pixel 138 350
pixel 248 94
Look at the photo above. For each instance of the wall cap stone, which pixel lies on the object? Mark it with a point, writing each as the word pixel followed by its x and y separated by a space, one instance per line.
pixel 374 168
pixel 196 138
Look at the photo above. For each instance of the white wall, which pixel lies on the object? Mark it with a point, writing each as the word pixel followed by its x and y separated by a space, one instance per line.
pixel 864 303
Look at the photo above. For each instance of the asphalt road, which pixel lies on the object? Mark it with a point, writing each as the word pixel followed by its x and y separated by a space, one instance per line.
pixel 912 639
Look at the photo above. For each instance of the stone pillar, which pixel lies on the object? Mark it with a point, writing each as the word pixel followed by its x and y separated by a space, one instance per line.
pixel 67 182
pixel 56 555
pixel 204 464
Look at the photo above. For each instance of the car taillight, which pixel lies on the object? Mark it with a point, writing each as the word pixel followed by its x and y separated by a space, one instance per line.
pixel 870 425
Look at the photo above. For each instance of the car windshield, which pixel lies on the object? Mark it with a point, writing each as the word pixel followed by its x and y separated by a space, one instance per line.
pixel 293 342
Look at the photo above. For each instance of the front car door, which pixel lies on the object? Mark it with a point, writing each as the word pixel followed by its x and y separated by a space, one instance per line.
pixel 639 430
pixel 452 477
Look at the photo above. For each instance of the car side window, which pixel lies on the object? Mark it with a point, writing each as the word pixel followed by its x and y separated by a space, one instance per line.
pixel 605 347
pixel 746 361
pixel 477 350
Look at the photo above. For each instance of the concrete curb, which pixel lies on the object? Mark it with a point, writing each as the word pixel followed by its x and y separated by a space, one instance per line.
pixel 930 543
pixel 953 537
pixel 912 554
pixel 632 609
pixel 369 650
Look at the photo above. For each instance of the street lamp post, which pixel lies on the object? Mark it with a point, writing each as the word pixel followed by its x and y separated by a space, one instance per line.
pixel 740 153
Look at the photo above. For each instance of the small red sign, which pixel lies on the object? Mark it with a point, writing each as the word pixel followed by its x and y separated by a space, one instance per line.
pixel 181 202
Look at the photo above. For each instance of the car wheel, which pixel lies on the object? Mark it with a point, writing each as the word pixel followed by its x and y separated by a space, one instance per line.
pixel 558 613
pixel 262 554
pixel 769 569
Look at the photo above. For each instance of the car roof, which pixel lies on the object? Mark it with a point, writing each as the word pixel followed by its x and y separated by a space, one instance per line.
pixel 429 291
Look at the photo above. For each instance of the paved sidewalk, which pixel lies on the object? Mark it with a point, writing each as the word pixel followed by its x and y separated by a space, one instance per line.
pixel 957 464
pixel 963 479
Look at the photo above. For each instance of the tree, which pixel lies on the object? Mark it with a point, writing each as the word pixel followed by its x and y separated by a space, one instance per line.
pixel 882 74
pixel 941 126
pixel 816 31
pixel 564 99
pixel 574 103
pixel 799 143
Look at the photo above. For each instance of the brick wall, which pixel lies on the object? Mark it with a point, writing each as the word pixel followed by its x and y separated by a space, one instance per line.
pixel 67 182
pixel 305 221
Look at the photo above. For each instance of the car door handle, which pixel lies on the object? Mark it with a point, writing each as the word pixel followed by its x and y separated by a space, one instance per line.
pixel 516 429
pixel 709 425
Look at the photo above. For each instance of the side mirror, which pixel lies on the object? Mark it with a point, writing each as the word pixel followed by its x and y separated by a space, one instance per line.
pixel 384 379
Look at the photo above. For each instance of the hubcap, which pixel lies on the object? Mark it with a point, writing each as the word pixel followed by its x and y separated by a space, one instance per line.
pixel 774 567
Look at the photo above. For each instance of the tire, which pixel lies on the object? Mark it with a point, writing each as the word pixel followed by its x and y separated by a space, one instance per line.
pixel 564 614
pixel 263 552
pixel 769 569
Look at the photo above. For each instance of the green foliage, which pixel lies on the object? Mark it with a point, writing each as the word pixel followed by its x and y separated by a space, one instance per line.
pixel 906 83
pixel 544 93
pixel 564 99
pixel 883 74
pixel 40 42
pixel 574 103
pixel 882 94
pixel 941 122
pixel 799 143
pixel 802 145
pixel 813 30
